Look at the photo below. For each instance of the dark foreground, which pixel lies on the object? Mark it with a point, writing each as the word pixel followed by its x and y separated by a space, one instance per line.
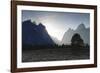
pixel 56 54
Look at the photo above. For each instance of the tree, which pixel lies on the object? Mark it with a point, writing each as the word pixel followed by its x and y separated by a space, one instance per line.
pixel 77 40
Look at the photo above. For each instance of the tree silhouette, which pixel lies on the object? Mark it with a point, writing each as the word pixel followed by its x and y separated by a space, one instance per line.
pixel 77 40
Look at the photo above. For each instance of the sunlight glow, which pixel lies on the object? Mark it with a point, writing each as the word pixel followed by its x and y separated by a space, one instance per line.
pixel 53 31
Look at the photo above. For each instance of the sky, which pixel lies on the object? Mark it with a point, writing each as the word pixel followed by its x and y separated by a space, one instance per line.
pixel 57 23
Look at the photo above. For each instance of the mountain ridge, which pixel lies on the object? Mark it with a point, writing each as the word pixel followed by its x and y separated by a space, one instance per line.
pixel 81 29
pixel 34 34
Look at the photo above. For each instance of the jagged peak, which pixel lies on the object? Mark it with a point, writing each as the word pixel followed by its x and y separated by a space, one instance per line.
pixel 33 24
pixel 81 26
pixel 41 25
pixel 70 30
pixel 27 20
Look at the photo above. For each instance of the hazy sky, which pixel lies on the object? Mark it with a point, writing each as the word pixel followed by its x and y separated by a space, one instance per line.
pixel 57 23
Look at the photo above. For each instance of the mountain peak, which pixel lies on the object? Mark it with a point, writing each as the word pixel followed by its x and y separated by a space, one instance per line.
pixel 81 26
pixel 27 21
pixel 70 30
pixel 41 25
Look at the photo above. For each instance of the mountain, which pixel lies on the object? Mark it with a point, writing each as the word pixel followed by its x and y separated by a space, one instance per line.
pixel 56 41
pixel 82 30
pixel 84 33
pixel 33 34
pixel 67 36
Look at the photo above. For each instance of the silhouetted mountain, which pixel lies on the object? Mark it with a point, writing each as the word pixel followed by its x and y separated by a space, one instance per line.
pixel 82 30
pixel 33 34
